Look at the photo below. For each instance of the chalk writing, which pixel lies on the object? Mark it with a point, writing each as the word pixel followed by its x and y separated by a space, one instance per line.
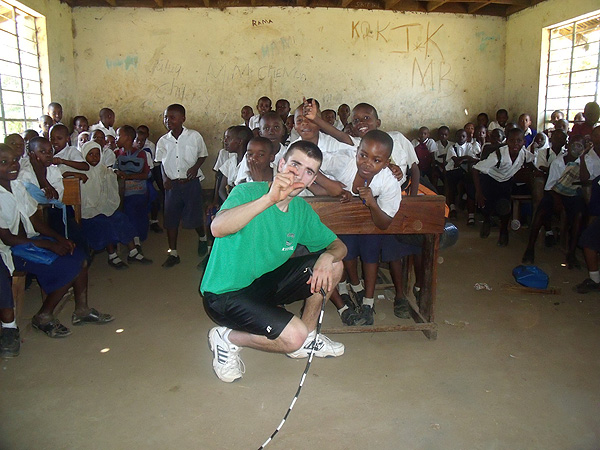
pixel 485 40
pixel 164 65
pixel 256 23
pixel 277 46
pixel 245 71
pixel 432 75
pixel 126 63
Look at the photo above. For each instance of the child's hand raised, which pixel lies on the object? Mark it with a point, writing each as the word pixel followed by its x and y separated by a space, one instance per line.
pixel 310 109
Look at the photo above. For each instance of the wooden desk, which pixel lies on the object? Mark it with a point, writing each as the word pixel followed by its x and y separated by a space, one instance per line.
pixel 417 215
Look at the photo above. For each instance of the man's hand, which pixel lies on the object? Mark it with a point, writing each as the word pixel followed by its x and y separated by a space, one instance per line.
pixel 283 185
pixel 322 277
pixel 167 183
pixel 191 173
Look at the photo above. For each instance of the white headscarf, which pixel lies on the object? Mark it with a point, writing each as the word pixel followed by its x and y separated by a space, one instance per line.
pixel 100 193
pixel 533 146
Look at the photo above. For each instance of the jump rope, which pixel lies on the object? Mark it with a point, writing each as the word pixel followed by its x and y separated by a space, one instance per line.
pixel 310 358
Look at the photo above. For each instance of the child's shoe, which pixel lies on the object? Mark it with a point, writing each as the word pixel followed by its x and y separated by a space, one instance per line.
pixel 117 263
pixel 401 308
pixel 367 311
pixel 503 239
pixel 156 227
pixel 202 248
pixel 358 296
pixel 351 318
pixel 10 343
pixel 139 258
pixel 171 261
pixel 348 301
pixel 588 285
pixel 485 229
pixel 528 256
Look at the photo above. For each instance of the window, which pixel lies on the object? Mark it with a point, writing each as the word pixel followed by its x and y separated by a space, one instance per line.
pixel 20 84
pixel 573 67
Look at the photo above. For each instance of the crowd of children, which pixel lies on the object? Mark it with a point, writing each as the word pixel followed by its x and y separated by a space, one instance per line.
pixel 126 179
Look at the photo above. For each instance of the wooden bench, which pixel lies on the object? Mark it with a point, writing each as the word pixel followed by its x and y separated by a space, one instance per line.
pixel 417 215
pixel 71 197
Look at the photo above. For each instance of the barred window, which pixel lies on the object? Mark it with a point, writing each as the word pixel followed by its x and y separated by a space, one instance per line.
pixel 573 67
pixel 20 82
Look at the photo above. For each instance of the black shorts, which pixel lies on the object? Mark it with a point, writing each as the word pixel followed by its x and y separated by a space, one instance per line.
pixel 257 308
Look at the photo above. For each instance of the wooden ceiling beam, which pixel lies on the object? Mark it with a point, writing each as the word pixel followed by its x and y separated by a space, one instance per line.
pixel 389 4
pixel 432 6
pixel 345 3
pixel 474 7
pixel 112 3
pixel 159 3
pixel 514 8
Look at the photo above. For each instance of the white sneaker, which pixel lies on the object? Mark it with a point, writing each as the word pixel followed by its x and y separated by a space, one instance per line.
pixel 324 347
pixel 227 364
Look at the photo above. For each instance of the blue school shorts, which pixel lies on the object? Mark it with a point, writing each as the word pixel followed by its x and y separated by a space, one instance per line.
pixel 53 276
pixel 6 297
pixel 367 246
pixel 102 230
pixel 257 309
pixel 183 204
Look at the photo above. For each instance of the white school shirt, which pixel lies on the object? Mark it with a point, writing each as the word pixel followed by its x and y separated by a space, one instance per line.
pixel 592 162
pixel 493 125
pixel 384 186
pixel 243 173
pixel 74 137
pixel 442 149
pixel 230 169
pixel 476 148
pixel 556 170
pixel 465 149
pixel 53 176
pixel 15 207
pixel 331 149
pixel 545 156
pixel 178 155
pixel 70 153
pixel 222 156
pixel 430 143
pixel 507 168
pixel 254 121
pixel 100 126
pixel 150 148
pixel 108 157
pixel 338 124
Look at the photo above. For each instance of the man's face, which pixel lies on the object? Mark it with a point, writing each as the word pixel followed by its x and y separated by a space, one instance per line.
pixel 303 167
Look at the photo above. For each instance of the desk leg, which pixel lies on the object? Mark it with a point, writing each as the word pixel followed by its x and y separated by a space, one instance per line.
pixel 429 287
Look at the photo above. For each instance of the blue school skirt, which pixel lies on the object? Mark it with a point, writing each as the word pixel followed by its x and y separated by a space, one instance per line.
pixel 102 230
pixel 52 277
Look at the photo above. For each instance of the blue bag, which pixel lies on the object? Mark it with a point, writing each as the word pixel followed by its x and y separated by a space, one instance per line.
pixel 31 253
pixel 531 276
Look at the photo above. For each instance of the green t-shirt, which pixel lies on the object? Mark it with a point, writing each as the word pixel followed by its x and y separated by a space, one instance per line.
pixel 264 244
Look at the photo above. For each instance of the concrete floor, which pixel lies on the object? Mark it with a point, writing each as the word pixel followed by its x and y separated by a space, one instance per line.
pixel 508 370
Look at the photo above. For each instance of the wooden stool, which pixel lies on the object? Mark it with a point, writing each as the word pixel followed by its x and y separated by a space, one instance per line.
pixel 516 205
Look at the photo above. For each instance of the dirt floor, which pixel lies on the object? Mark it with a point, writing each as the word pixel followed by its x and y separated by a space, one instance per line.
pixel 508 371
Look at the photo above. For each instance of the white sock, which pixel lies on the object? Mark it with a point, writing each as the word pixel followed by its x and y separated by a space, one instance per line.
pixel 12 324
pixel 358 287
pixel 136 240
pixel 342 309
pixel 471 215
pixel 549 233
pixel 417 288
pixel 342 288
pixel 595 276
pixel 368 301
pixel 133 252
pixel 173 253
pixel 452 207
pixel 202 238
pixel 153 221
pixel 113 255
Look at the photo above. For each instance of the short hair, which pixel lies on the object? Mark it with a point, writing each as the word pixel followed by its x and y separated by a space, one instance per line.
pixel 308 148
pixel 423 128
pixel 367 106
pixel 60 128
pixel 76 118
pixel 329 110
pixel 502 111
pixel 262 140
pixel 515 130
pixel 30 132
pixel 500 132
pixel 43 116
pixel 6 138
pixel 129 131
pixel 478 127
pixel 144 128
pixel 54 105
pixel 444 127
pixel 381 137
pixel 265 98
pixel 241 132
pixel 105 111
pixel 271 115
pixel 283 100
pixel 36 142
pixel 97 130
pixel 484 115
pixel 6 148
pixel 176 107
pixel 469 123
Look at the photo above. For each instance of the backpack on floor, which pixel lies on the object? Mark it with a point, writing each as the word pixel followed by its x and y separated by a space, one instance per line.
pixel 531 276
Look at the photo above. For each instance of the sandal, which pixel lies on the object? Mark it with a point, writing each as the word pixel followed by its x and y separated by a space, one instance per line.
pixel 53 329
pixel 93 317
